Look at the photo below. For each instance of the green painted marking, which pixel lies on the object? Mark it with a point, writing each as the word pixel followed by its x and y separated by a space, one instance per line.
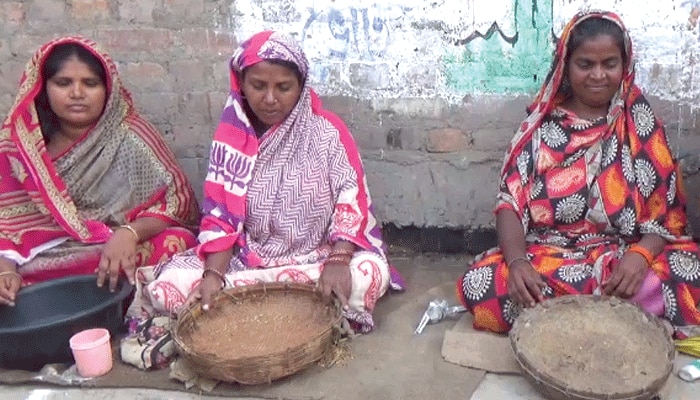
pixel 491 65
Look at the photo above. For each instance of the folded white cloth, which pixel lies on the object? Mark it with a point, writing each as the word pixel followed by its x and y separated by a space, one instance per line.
pixel 180 370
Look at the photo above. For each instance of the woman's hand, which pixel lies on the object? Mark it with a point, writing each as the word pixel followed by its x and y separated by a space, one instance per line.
pixel 627 277
pixel 10 282
pixel 119 253
pixel 207 288
pixel 213 280
pixel 525 284
pixel 336 278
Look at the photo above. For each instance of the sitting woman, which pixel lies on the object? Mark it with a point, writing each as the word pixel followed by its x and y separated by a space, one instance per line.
pixel 285 197
pixel 87 185
pixel 591 199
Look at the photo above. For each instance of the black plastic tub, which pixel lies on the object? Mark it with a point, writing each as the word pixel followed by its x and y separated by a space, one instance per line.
pixel 35 332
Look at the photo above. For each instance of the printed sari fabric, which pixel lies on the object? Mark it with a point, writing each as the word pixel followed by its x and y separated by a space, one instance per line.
pixel 281 200
pixel 584 191
pixel 55 215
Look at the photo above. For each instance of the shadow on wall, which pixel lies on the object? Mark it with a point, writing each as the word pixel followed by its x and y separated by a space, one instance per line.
pixel 412 239
pixel 692 192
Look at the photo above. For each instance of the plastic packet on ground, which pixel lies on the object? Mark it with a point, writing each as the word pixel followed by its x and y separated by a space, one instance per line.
pixel 60 374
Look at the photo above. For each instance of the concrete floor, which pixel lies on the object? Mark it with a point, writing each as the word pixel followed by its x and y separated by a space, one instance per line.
pixel 492 387
pixel 27 393
pixel 401 366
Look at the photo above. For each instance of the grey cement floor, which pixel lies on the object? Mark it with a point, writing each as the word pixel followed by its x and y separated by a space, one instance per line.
pixel 444 380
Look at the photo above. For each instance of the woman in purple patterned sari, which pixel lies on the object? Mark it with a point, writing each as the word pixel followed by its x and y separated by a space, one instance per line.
pixel 285 197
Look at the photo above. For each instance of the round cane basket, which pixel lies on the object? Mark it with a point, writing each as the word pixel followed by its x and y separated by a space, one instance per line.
pixel 592 348
pixel 257 334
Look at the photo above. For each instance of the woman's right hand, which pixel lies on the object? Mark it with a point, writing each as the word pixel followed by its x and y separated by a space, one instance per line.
pixel 525 284
pixel 207 288
pixel 10 282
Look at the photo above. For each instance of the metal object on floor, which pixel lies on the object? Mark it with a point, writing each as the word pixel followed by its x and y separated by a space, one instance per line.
pixel 437 311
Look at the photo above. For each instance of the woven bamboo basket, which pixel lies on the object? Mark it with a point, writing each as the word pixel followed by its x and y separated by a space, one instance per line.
pixel 257 334
pixel 592 348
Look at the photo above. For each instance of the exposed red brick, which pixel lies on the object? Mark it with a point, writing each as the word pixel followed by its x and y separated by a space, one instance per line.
pixel 193 109
pixel 24 46
pixel 89 10
pixel 216 104
pixel 5 50
pixel 221 72
pixel 189 141
pixel 170 12
pixel 448 140
pixel 148 40
pixel 6 101
pixel 209 41
pixel 191 74
pixel 140 11
pixel 145 77
pixel 11 72
pixel 12 13
pixel 45 13
pixel 160 108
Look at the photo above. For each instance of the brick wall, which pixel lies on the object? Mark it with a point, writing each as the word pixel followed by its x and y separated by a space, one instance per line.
pixel 169 55
pixel 430 162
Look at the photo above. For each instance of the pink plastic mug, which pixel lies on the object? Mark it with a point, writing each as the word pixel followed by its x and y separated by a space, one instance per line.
pixel 92 352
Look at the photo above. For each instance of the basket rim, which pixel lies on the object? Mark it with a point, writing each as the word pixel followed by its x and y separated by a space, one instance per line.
pixel 243 291
pixel 560 386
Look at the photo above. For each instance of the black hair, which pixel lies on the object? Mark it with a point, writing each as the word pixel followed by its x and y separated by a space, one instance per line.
pixel 52 65
pixel 594 27
pixel 284 63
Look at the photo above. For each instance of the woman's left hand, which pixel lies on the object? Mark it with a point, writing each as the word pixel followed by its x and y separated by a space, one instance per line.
pixel 119 253
pixel 627 277
pixel 336 278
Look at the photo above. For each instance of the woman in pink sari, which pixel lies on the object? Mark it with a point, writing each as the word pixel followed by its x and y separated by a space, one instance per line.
pixel 86 184
pixel 285 197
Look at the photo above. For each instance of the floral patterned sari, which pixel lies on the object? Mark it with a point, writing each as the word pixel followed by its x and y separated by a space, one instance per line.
pixel 585 191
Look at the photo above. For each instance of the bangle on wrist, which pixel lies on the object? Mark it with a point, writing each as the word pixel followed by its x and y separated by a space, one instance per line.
pixel 13 273
pixel 642 251
pixel 216 273
pixel 342 252
pixel 132 230
pixel 338 259
pixel 509 265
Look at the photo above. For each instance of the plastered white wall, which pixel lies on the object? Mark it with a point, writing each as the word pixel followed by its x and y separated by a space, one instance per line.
pixel 372 49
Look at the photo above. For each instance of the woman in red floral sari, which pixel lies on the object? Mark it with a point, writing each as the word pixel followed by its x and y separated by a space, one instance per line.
pixel 86 184
pixel 591 199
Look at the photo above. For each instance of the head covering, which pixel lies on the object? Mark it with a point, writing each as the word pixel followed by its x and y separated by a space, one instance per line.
pixel 637 186
pixel 269 45
pixel 550 96
pixel 286 214
pixel 74 196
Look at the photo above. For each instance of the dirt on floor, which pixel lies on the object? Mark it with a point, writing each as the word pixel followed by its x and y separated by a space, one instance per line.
pixel 389 363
